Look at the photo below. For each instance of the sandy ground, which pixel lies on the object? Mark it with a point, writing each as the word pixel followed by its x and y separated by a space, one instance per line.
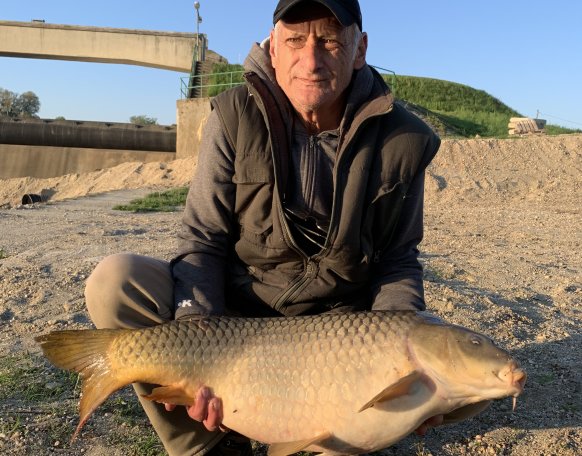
pixel 501 255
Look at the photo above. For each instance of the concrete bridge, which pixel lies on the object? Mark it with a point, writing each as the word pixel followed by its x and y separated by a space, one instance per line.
pixel 30 148
pixel 165 50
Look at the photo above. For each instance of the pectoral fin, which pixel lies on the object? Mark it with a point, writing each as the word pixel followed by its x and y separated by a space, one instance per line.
pixel 171 395
pixel 400 388
pixel 465 412
pixel 286 448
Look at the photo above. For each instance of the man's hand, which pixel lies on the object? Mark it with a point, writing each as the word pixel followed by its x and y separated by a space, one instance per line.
pixel 207 409
pixel 431 422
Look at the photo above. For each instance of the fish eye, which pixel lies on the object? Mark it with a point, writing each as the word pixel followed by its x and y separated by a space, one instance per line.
pixel 475 341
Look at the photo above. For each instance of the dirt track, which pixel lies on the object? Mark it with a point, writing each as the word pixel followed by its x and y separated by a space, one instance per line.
pixel 501 254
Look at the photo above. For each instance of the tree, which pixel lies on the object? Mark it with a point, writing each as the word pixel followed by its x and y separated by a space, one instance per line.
pixel 143 120
pixel 28 104
pixel 14 105
pixel 7 103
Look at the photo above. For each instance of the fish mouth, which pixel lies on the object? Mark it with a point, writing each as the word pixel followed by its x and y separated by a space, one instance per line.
pixel 518 381
pixel 515 376
pixel 518 378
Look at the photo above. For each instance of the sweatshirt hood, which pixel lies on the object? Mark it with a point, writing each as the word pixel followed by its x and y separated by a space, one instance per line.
pixel 259 62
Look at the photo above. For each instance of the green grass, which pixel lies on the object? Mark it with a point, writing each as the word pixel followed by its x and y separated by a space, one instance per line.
pixel 142 442
pixel 221 81
pixel 27 378
pixel 3 254
pixel 545 378
pixel 35 390
pixel 466 110
pixel 168 201
pixel 557 130
pixel 444 96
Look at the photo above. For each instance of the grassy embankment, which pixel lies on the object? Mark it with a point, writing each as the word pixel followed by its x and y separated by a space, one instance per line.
pixel 467 110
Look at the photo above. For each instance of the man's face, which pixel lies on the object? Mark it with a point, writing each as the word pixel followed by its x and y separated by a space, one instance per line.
pixel 314 57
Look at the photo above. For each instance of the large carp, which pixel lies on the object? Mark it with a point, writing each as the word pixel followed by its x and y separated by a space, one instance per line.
pixel 339 383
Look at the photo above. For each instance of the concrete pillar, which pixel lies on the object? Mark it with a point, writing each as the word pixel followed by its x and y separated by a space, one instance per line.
pixel 191 117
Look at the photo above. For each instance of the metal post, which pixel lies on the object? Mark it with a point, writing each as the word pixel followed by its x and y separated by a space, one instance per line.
pixel 196 57
pixel 198 20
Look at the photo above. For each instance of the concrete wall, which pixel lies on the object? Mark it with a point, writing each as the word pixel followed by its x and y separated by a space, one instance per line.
pixel 18 160
pixel 191 118
pixel 85 134
pixel 42 161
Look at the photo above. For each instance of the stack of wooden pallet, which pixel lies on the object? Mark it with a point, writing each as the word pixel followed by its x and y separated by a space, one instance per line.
pixel 525 125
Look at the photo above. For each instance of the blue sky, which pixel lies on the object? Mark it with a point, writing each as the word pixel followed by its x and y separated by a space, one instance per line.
pixel 526 53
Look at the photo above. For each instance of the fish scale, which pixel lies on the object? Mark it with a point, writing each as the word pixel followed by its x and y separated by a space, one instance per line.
pixel 340 383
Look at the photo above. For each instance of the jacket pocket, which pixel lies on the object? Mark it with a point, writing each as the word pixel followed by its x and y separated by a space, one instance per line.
pixel 254 202
pixel 381 219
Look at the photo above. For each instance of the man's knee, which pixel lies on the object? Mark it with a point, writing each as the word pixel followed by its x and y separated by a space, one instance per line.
pixel 103 289
pixel 128 291
pixel 113 270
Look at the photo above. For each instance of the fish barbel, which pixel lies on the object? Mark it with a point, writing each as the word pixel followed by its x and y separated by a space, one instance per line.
pixel 339 383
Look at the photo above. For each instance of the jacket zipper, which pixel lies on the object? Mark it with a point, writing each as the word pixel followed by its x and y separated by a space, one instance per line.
pixel 311 267
pixel 299 283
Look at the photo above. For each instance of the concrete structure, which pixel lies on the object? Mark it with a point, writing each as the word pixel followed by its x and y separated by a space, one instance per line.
pixel 170 51
pixel 49 148
pixel 22 160
pixel 43 161
pixel 165 50
pixel 95 135
pixel 191 118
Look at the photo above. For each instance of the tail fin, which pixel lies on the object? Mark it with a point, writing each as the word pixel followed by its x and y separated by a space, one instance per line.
pixel 85 352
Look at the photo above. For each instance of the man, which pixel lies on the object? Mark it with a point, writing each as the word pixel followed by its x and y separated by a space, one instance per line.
pixel 307 198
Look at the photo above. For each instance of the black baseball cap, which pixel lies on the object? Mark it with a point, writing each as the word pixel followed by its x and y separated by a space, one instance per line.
pixel 347 12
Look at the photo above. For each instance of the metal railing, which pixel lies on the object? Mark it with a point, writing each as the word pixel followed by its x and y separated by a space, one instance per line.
pixel 213 83
pixel 210 84
pixel 392 82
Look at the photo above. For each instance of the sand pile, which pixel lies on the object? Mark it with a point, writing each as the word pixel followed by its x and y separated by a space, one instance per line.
pixel 125 176
pixel 531 168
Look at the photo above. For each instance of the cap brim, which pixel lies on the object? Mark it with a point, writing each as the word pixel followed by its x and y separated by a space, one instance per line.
pixel 341 14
